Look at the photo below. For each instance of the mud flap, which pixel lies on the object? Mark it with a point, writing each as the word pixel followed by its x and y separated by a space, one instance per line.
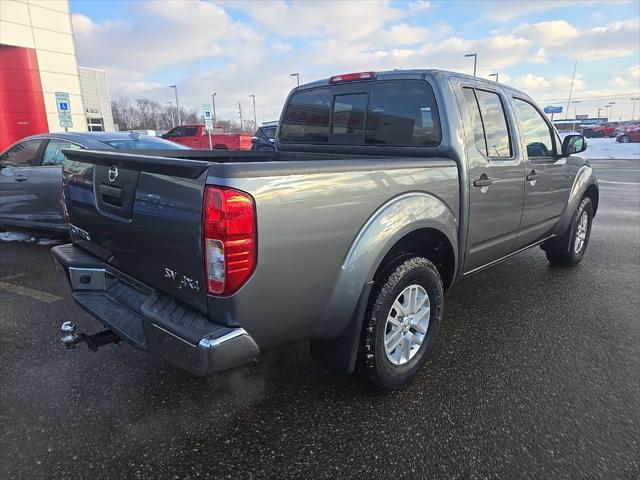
pixel 339 354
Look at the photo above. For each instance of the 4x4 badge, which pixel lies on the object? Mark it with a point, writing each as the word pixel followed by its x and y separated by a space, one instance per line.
pixel 113 173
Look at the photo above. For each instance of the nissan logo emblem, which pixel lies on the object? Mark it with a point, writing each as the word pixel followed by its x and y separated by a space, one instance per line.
pixel 113 173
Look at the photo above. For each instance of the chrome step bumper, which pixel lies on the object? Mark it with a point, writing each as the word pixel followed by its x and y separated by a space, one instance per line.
pixel 150 320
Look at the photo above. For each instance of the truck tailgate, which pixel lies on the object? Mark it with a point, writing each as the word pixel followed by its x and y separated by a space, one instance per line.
pixel 142 214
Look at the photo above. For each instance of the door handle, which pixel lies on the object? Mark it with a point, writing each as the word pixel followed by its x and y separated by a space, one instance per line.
pixel 20 178
pixel 532 176
pixel 483 181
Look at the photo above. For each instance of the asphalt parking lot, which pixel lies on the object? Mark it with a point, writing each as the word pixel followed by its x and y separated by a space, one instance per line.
pixel 537 375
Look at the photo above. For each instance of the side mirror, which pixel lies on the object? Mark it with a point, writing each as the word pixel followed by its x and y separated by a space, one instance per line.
pixel 573 144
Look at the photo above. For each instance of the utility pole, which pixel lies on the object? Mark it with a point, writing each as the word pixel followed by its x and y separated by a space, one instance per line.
pixel 575 114
pixel 213 103
pixel 566 115
pixel 297 75
pixel 255 120
pixel 494 75
pixel 475 61
pixel 173 118
pixel 633 112
pixel 240 112
pixel 177 104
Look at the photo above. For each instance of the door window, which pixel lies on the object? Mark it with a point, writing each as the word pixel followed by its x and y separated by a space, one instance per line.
pixel 53 153
pixel 475 119
pixel 495 124
pixel 535 130
pixel 22 155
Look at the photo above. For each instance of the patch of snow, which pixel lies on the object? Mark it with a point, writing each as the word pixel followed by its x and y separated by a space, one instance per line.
pixel 608 148
pixel 26 237
pixel 15 237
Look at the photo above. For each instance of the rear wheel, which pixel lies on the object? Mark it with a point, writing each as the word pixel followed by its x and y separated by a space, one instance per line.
pixel 578 233
pixel 402 323
pixel 624 139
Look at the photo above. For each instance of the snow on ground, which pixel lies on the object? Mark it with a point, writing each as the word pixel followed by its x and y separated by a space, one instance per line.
pixel 30 237
pixel 607 148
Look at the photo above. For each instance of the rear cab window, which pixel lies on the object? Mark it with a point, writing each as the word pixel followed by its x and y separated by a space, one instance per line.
pixel 384 113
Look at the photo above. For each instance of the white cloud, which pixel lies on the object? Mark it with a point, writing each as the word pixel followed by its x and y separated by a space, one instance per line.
pixel 547 34
pixel 419 6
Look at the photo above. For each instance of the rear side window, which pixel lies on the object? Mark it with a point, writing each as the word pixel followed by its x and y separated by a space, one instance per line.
pixel 402 113
pixel 475 119
pixel 53 153
pixel 306 119
pixel 495 124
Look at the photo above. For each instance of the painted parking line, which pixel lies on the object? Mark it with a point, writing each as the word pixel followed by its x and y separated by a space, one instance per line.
pixel 618 183
pixel 29 292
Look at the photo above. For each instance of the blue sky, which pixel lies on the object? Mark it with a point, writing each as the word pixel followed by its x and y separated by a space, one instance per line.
pixel 236 48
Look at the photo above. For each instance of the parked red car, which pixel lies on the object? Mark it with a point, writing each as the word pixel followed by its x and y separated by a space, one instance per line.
pixel 195 136
pixel 630 134
pixel 601 130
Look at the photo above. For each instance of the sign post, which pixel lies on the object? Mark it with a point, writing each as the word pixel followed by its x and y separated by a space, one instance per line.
pixel 64 110
pixel 208 121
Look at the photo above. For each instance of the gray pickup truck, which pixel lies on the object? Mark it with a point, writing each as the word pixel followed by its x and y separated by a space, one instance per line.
pixel 385 188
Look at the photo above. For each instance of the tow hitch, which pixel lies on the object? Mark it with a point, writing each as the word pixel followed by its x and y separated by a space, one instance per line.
pixel 70 338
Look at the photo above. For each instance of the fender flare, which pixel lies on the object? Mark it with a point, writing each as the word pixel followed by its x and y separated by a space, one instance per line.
pixel 584 179
pixel 337 338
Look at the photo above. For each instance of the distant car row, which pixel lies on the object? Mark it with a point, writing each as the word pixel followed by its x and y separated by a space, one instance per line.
pixel 624 132
pixel 196 136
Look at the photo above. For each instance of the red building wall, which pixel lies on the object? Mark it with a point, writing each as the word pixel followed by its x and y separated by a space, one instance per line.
pixel 22 110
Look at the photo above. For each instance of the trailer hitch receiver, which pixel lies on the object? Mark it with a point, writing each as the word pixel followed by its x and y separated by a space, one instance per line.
pixel 71 339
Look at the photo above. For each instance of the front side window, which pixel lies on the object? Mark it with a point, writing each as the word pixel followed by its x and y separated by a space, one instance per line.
pixel 402 113
pixel 306 119
pixel 535 130
pixel 21 155
pixel 348 113
pixel 495 124
pixel 53 153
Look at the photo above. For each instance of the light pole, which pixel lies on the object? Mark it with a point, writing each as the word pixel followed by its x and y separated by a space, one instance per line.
pixel 240 112
pixel 213 102
pixel 173 118
pixel 255 120
pixel 599 114
pixel 611 104
pixel 475 61
pixel 297 75
pixel 606 110
pixel 177 104
pixel 633 112
pixel 494 75
pixel 575 113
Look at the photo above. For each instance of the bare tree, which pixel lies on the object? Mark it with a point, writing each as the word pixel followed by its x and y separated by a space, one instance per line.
pixel 146 114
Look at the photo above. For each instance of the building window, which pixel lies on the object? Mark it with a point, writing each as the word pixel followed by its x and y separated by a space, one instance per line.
pixel 95 124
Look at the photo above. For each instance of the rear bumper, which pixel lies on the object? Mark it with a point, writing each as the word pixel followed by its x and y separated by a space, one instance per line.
pixel 150 320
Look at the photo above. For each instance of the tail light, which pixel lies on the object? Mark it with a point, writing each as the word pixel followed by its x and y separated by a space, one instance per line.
pixel 229 239
pixel 352 77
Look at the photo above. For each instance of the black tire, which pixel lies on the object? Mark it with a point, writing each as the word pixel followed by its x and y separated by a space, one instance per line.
pixel 624 139
pixel 379 370
pixel 559 255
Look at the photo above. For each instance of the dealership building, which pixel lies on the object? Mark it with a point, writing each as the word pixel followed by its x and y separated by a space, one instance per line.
pixel 37 60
